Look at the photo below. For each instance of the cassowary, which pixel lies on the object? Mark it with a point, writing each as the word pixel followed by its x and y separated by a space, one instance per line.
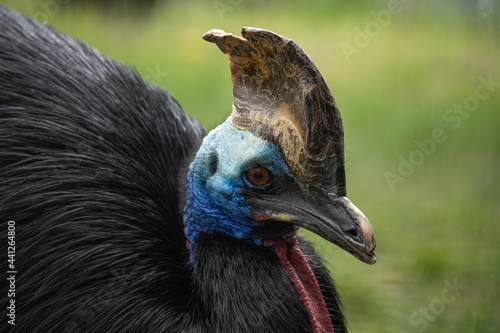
pixel 129 219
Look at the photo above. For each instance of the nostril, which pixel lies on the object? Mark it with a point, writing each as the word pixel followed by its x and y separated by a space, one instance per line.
pixel 353 232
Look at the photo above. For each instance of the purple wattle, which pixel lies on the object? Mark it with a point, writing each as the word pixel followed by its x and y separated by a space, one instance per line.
pixel 305 283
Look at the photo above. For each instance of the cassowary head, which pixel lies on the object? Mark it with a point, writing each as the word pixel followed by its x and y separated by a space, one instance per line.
pixel 277 163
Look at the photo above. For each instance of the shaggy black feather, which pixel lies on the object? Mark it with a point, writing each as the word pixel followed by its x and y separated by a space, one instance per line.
pixel 91 160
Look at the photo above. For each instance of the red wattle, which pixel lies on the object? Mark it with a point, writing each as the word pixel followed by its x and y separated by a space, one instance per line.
pixel 305 283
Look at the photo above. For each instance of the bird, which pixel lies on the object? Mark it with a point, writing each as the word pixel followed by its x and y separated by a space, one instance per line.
pixel 126 216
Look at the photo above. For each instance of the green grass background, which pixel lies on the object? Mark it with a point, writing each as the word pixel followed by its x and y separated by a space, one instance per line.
pixel 442 223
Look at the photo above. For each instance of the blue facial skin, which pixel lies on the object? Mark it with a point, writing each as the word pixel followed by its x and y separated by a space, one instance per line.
pixel 215 178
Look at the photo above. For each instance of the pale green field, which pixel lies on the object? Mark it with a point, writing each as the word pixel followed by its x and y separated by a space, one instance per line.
pixel 437 221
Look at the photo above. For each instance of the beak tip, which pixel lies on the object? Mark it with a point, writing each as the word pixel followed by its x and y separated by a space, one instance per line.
pixel 372 243
pixel 373 259
pixel 369 258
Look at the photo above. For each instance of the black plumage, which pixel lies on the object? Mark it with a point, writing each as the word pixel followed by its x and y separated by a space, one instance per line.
pixel 93 163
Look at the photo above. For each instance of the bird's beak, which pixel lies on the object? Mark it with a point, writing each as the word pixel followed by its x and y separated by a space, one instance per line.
pixel 341 223
pixel 335 219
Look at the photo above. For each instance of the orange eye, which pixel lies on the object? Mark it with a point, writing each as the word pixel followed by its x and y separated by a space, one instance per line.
pixel 258 176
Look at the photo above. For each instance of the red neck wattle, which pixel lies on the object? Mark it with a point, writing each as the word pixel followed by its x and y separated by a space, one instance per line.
pixel 305 283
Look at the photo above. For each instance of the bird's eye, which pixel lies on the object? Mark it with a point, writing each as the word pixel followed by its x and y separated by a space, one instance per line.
pixel 258 176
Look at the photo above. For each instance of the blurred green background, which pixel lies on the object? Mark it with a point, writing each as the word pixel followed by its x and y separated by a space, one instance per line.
pixel 418 84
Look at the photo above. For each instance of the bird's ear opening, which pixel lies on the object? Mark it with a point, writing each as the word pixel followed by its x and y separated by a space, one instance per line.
pixel 213 163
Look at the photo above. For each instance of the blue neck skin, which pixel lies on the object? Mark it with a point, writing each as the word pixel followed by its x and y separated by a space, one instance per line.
pixel 215 178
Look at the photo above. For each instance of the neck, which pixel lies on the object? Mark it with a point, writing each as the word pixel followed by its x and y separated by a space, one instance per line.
pixel 238 281
pixel 233 274
pixel 203 214
pixel 248 285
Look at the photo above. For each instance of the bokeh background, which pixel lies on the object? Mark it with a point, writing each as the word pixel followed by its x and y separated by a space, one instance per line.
pixel 418 85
